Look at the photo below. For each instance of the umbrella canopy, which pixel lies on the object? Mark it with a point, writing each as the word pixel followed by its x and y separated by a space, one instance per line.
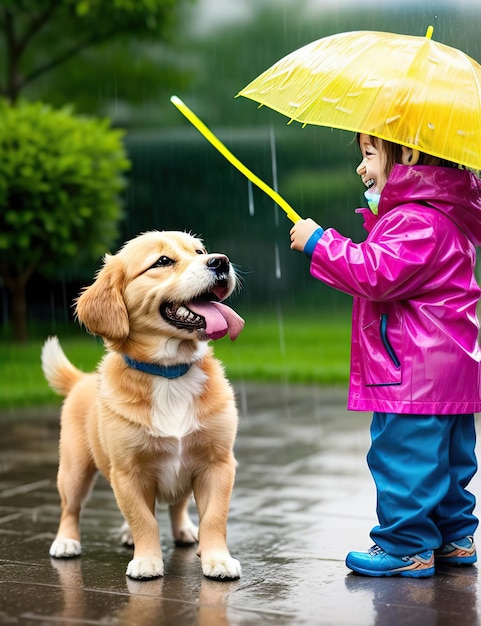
pixel 405 89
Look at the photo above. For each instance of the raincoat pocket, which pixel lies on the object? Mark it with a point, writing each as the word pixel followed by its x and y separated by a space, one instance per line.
pixel 381 349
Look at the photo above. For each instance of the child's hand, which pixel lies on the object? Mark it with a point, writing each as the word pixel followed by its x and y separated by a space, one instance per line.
pixel 301 232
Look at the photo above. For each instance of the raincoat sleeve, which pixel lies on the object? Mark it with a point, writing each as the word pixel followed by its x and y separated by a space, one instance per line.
pixel 312 241
pixel 399 256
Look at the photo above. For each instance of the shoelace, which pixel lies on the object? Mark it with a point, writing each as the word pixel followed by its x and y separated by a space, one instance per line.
pixel 377 551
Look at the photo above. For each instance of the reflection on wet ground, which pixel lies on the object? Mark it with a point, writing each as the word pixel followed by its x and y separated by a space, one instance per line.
pixel 303 498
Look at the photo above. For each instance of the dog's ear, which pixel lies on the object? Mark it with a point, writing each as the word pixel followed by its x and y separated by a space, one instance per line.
pixel 101 307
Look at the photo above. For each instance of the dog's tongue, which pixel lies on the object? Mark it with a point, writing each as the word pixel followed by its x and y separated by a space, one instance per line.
pixel 219 319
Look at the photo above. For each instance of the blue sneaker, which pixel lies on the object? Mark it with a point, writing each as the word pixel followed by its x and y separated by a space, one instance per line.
pixel 376 562
pixel 459 552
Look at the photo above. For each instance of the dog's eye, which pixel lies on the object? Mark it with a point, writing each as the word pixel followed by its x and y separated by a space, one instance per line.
pixel 164 261
pixel 203 251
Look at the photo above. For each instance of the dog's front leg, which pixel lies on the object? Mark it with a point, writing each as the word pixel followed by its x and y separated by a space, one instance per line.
pixel 136 500
pixel 212 492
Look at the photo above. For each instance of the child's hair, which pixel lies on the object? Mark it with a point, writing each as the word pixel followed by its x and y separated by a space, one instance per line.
pixel 393 153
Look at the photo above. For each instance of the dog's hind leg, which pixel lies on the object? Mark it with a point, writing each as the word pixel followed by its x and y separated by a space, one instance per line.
pixel 76 469
pixel 126 538
pixel 184 530
pixel 74 485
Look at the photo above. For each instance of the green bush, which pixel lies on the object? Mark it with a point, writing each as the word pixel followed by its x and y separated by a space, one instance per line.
pixel 60 180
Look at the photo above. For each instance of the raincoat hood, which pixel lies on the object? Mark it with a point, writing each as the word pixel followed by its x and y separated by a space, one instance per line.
pixel 454 192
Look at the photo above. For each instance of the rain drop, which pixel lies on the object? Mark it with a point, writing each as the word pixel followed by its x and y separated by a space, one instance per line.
pixel 250 195
pixel 278 262
pixel 274 172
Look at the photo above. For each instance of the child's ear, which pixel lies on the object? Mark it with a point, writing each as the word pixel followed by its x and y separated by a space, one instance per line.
pixel 409 156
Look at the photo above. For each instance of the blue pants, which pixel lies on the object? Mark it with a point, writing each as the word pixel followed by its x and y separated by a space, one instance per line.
pixel 421 465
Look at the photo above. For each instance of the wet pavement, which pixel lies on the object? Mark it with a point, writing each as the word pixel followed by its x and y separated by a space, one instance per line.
pixel 303 498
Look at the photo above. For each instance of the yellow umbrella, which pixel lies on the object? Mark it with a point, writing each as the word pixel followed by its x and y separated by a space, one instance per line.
pixel 405 89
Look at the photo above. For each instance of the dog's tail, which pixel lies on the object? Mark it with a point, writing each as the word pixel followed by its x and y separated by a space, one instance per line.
pixel 61 375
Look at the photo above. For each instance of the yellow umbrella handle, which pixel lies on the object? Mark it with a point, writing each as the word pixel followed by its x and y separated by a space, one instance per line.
pixel 209 135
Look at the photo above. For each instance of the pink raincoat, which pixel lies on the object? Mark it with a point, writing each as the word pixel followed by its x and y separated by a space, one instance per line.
pixel 414 330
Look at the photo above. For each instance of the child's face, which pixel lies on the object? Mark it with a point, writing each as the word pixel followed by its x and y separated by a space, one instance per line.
pixel 372 167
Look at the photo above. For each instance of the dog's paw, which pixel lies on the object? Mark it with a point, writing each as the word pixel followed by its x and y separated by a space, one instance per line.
pixel 221 566
pixel 187 535
pixel 145 568
pixel 65 548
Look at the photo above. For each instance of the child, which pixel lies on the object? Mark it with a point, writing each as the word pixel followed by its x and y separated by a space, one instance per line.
pixel 415 359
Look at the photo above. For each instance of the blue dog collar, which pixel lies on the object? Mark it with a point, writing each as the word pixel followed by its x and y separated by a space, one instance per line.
pixel 167 371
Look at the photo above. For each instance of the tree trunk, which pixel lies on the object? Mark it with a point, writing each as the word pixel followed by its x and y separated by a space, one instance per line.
pixel 18 310
pixel 16 283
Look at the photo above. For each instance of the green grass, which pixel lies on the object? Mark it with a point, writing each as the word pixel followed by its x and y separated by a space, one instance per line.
pixel 293 348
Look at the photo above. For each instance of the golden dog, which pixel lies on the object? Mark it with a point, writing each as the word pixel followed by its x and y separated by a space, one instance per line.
pixel 158 417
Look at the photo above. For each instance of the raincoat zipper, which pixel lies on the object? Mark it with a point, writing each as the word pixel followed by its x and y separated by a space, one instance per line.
pixel 386 342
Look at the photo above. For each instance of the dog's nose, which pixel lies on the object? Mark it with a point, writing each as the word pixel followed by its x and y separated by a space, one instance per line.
pixel 219 264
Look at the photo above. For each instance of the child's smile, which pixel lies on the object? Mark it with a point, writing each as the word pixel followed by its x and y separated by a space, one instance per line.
pixel 371 168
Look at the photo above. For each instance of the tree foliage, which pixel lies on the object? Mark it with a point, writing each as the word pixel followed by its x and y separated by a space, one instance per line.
pixel 41 35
